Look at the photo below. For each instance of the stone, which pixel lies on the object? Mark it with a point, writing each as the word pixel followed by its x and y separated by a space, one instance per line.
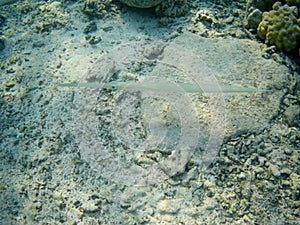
pixel 141 3
pixel 6 2
pixel 90 27
pixel 2 20
pixel 89 207
pixel 2 43
pixel 262 5
pixel 292 115
pixel 285 171
pixel 275 170
pixel 253 19
pixel 169 206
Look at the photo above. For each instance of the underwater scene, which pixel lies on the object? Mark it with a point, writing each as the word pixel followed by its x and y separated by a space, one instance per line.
pixel 159 112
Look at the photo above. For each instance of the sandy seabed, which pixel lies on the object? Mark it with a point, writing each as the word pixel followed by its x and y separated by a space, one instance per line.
pixel 81 155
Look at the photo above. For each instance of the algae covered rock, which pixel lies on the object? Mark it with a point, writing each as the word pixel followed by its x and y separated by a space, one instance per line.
pixel 261 5
pixel 6 2
pixel 172 8
pixel 253 19
pixel 293 2
pixel 292 115
pixel 2 43
pixel 141 3
pixel 99 9
pixel 280 27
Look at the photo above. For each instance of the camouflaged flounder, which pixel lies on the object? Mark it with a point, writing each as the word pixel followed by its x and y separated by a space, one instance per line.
pixel 141 3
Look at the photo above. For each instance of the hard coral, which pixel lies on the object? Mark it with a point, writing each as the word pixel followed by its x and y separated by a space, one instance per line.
pixel 281 27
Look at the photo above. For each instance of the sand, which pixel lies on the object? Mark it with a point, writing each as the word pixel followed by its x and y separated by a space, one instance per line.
pixel 77 155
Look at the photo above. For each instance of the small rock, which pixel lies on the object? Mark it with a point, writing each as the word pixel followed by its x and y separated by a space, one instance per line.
pixel 262 5
pixel 295 179
pixel 285 171
pixel 253 19
pixel 275 170
pixel 142 159
pixel 2 43
pixel 292 115
pixel 95 8
pixel 38 44
pixel 296 204
pixel 258 170
pixel 229 19
pixel 242 176
pixel 264 149
pixel 262 160
pixel 94 40
pixel 297 212
pixel 38 206
pixel 288 151
pixel 286 184
pixel 267 185
pixel 107 28
pixel 296 195
pixel 2 20
pixel 210 203
pixel 90 27
pixel 169 206
pixel 89 207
